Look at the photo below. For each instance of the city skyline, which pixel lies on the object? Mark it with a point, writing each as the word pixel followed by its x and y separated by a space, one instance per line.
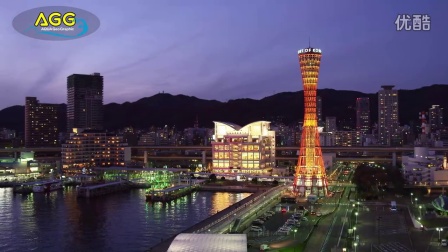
pixel 238 53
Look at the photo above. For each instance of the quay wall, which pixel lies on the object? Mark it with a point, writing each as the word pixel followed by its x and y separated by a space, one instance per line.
pixel 165 244
pixel 231 188
pixel 99 190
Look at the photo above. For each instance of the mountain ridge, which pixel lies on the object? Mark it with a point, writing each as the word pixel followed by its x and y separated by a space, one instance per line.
pixel 181 110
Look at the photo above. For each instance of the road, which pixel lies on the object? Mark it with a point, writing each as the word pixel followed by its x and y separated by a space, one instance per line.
pixel 326 234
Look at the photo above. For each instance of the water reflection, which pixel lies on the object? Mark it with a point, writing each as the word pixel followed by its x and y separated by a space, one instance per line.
pixel 120 222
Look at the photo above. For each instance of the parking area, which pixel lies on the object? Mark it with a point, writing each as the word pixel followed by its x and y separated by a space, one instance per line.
pixel 278 225
pixel 381 229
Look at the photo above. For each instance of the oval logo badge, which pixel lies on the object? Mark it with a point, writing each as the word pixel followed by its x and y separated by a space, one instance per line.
pixel 56 23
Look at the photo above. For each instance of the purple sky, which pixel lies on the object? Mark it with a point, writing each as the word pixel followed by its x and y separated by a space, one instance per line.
pixel 225 49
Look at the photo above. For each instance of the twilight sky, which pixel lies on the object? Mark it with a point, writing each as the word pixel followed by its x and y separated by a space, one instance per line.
pixel 225 49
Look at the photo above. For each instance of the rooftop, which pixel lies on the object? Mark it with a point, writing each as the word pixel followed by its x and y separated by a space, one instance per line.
pixel 209 243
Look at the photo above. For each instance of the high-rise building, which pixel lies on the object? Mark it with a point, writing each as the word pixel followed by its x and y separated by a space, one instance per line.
pixel 41 123
pixel 84 101
pixel 249 149
pixel 347 138
pixel 363 115
pixel 310 177
pixel 330 124
pixel 320 121
pixel 92 148
pixel 387 115
pixel 436 118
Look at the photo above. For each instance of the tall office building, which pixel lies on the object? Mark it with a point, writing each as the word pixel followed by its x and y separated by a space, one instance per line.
pixel 436 118
pixel 320 121
pixel 41 123
pixel 84 101
pixel 387 115
pixel 363 115
pixel 330 124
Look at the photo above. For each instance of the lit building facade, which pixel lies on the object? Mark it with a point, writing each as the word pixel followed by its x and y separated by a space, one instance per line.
pixel 347 138
pixel 425 168
pixel 436 118
pixel 388 116
pixel 310 176
pixel 249 149
pixel 330 124
pixel 92 148
pixel 41 123
pixel 84 101
pixel 363 115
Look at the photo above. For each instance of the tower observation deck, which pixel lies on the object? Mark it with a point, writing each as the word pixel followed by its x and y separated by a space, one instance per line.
pixel 310 176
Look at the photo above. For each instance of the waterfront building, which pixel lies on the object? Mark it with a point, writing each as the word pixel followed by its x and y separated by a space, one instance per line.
pixel 249 149
pixel 310 176
pixel 388 116
pixel 41 123
pixel 425 168
pixel 85 101
pixel 363 114
pixel 92 148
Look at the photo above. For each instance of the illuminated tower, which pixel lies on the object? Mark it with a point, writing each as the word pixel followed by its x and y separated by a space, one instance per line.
pixel 310 177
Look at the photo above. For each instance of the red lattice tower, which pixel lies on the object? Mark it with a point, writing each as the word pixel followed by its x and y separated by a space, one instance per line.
pixel 310 177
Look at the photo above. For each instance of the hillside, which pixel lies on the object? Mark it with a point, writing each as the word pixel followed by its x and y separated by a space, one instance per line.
pixel 181 111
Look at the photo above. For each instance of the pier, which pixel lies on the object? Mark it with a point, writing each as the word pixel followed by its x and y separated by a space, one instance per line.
pixel 217 222
pixel 102 189
pixel 171 193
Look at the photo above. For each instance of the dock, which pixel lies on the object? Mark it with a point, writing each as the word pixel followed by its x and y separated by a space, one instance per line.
pixel 102 189
pixel 165 244
pixel 171 193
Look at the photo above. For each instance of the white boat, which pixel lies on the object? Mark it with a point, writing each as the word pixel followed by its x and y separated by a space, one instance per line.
pixel 47 186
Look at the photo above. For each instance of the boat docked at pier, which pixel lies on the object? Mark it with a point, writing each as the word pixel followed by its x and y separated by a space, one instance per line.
pixel 47 186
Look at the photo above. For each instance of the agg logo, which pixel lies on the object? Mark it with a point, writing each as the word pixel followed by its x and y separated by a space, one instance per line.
pixel 56 23
pixel 55 19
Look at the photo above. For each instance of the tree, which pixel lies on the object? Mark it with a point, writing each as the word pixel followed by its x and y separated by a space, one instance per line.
pixel 275 183
pixel 212 177
pixel 223 178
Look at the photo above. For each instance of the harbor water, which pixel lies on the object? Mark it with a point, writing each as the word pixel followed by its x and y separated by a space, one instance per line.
pixel 59 221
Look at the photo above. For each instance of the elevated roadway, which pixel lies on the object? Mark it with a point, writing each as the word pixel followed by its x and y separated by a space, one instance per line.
pixel 209 148
pixel 176 157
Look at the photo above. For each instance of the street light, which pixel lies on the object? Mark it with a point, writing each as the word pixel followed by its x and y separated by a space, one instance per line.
pixel 420 208
pixel 295 231
pixel 358 205
pixel 354 232
pixel 440 230
pixel 356 244
pixel 356 215
pixel 412 202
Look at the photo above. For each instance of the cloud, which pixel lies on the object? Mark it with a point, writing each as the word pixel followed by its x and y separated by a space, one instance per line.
pixel 156 54
pixel 48 76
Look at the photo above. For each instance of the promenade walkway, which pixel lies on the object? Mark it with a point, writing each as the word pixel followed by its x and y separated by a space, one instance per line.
pixel 214 219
